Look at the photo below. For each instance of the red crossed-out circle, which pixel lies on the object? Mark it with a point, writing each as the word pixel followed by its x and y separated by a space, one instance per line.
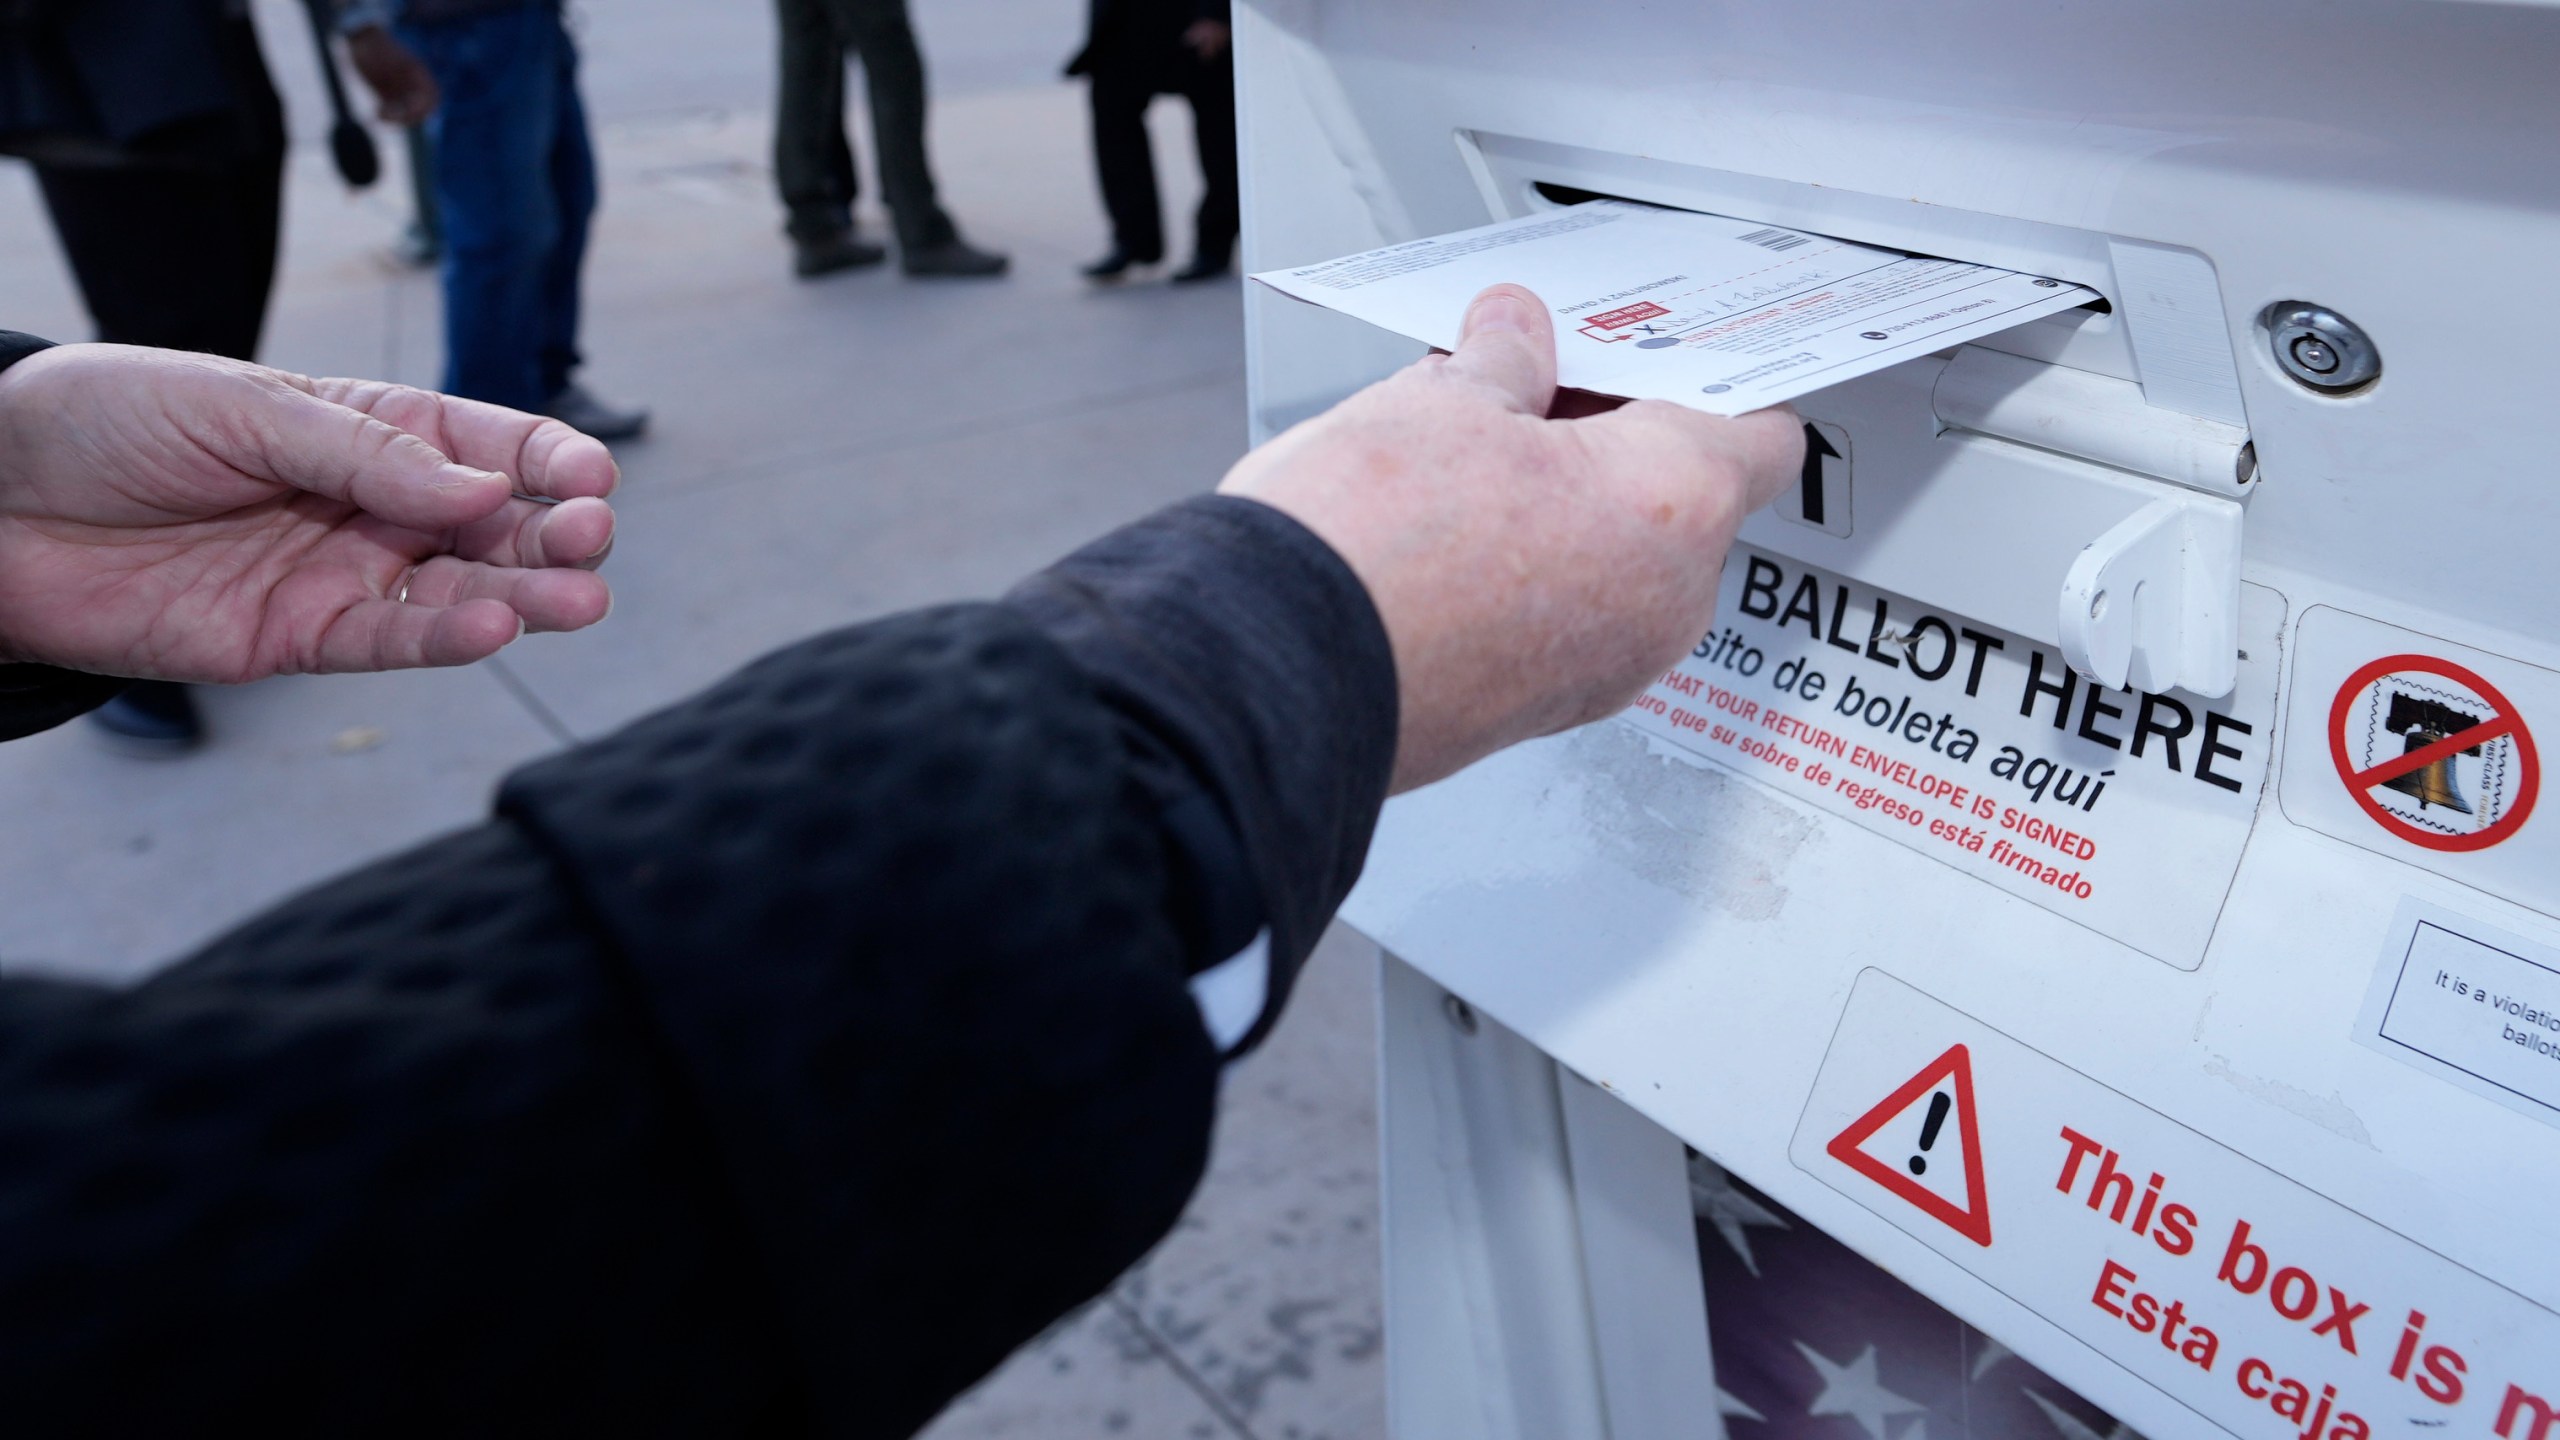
pixel 2506 724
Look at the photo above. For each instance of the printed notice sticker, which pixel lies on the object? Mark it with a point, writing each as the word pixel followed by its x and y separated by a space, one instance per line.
pixel 2424 751
pixel 2118 809
pixel 2469 1003
pixel 1719 315
pixel 2266 1309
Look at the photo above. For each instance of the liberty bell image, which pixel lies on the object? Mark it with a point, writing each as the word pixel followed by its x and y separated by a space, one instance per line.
pixel 2422 723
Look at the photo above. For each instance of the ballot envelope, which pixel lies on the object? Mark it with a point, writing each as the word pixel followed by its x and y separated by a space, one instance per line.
pixel 2075 947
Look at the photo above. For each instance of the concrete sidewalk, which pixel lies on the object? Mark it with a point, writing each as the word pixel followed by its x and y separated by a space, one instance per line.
pixel 823 452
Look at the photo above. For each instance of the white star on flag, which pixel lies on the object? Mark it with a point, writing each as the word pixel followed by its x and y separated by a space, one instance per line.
pixel 1713 1198
pixel 2069 1427
pixel 1727 1403
pixel 1855 1390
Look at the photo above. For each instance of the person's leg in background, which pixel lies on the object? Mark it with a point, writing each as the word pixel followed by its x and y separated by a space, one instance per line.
pixel 893 73
pixel 514 183
pixel 1211 88
pixel 183 257
pixel 1124 162
pixel 179 257
pixel 572 165
pixel 812 160
pixel 492 144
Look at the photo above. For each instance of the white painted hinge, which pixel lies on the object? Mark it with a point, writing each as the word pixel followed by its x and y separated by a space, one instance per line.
pixel 2154 603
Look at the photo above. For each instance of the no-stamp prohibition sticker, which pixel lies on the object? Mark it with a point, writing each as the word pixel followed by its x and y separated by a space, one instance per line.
pixel 2434 753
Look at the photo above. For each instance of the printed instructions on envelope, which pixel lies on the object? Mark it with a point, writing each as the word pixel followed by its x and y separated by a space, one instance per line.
pixel 1719 315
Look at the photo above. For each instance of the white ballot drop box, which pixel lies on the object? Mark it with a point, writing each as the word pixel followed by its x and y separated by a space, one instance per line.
pixel 2075 949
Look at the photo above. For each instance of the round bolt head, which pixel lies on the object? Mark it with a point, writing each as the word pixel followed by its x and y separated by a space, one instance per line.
pixel 2316 355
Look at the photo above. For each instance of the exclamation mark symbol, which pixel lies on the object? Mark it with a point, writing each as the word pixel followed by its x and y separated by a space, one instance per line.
pixel 1939 1105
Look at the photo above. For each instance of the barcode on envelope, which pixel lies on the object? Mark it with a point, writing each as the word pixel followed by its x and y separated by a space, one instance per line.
pixel 1776 239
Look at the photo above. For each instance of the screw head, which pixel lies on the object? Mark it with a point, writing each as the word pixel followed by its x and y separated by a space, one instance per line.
pixel 2316 355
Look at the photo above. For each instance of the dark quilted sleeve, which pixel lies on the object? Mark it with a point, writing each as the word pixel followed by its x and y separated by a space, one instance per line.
pixel 1246 661
pixel 774 1066
pixel 401 1158
pixel 787 1059
pixel 891 905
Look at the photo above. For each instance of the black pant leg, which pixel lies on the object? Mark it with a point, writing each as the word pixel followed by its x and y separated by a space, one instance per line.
pixel 1125 162
pixel 812 163
pixel 182 256
pixel 1212 93
pixel 893 73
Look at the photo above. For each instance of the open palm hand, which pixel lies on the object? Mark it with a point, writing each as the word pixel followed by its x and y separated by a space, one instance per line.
pixel 183 517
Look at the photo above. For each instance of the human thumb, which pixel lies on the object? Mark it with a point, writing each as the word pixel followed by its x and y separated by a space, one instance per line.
pixel 1769 444
pixel 1507 343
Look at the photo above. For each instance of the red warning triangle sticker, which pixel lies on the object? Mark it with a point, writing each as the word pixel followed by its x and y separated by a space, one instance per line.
pixel 1927 1103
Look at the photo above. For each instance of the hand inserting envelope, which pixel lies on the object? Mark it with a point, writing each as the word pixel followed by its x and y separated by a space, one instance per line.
pixel 1721 315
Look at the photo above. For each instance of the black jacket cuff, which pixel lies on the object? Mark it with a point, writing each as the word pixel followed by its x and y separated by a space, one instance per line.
pixel 39 697
pixel 1238 645
pixel 17 345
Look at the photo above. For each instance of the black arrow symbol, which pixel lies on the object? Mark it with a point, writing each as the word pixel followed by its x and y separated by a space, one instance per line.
pixel 1816 449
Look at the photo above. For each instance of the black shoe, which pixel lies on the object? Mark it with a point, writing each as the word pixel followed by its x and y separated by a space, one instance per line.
pixel 152 717
pixel 577 407
pixel 827 254
pixel 952 257
pixel 1116 266
pixel 1201 268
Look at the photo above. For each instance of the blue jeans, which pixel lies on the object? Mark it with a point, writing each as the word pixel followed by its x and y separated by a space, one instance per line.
pixel 517 183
